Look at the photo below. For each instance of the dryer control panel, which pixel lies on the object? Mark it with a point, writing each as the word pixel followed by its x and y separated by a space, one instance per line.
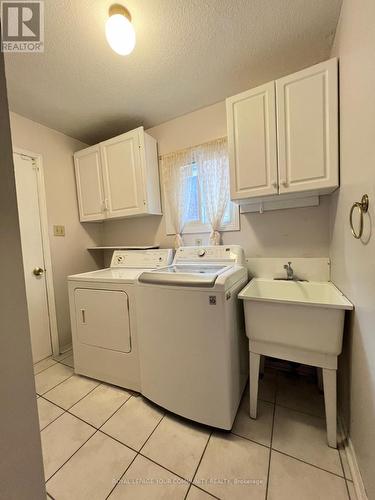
pixel 147 259
pixel 218 253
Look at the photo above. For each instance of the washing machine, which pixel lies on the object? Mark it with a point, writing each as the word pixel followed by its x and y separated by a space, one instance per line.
pixel 103 317
pixel 192 342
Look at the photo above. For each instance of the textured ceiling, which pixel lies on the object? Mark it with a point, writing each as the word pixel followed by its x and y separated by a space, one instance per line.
pixel 189 54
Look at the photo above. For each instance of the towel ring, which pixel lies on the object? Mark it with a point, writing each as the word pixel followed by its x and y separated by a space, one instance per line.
pixel 362 207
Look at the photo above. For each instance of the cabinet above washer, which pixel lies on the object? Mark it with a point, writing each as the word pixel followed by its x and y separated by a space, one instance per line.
pixel 118 178
pixel 283 137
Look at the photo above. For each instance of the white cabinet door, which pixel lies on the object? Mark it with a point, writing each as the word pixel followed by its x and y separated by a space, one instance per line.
pixel 102 318
pixel 307 126
pixel 89 184
pixel 251 119
pixel 123 175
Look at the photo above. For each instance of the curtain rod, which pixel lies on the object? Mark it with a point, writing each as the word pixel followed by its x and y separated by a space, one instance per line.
pixel 192 147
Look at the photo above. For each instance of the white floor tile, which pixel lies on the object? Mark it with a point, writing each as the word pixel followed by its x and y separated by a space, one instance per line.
pixel 47 379
pixel 91 473
pixel 300 393
pixel 258 430
pixel 197 494
pixel 100 404
pixel 71 390
pixel 133 423
pixel 234 468
pixel 144 480
pixel 48 412
pixel 42 365
pixel 304 437
pixel 61 439
pixel 69 361
pixel 177 445
pixel 290 478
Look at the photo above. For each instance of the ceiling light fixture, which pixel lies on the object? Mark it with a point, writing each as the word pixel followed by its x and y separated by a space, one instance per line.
pixel 119 30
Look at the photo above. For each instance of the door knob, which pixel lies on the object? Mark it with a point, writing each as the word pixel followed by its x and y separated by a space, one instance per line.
pixel 38 271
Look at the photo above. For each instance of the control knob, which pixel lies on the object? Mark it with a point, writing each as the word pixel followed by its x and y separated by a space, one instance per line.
pixel 201 252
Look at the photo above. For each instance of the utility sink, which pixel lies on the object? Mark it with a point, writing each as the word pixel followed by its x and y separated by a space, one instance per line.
pixel 300 315
pixel 296 321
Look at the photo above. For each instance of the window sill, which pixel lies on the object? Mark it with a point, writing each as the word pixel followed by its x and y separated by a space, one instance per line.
pixel 205 229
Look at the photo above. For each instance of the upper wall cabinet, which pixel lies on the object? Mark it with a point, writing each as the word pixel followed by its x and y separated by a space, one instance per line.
pixel 252 141
pixel 307 127
pixel 89 184
pixel 118 178
pixel 285 141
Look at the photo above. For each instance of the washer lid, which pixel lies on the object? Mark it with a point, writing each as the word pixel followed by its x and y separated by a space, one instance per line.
pixel 184 275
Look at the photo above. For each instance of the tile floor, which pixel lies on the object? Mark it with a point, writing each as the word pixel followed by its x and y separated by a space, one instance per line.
pixel 102 442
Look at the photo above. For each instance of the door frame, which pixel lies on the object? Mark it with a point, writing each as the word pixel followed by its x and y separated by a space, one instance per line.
pixel 37 158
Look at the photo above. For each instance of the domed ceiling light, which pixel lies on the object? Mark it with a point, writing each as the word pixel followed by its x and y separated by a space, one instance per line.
pixel 119 30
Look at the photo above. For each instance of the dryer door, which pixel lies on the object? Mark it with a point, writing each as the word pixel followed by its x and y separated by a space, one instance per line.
pixel 102 318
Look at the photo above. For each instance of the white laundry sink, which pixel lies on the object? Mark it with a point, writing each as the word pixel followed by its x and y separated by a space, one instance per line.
pixel 296 321
pixel 306 316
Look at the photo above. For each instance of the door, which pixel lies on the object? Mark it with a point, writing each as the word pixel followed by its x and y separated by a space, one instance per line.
pixel 26 175
pixel 122 173
pixel 307 126
pixel 102 318
pixel 251 119
pixel 89 184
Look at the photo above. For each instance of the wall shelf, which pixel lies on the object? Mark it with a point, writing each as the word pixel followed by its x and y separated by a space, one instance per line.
pixel 125 247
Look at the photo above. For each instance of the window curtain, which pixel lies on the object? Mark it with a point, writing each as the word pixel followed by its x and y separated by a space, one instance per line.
pixel 176 169
pixel 213 175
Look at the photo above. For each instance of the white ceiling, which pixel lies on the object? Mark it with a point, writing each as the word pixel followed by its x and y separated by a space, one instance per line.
pixel 189 54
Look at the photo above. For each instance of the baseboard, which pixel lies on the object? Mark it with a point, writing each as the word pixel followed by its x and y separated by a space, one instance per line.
pixel 351 456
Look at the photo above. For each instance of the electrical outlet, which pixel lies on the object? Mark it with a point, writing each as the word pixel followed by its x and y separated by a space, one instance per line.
pixel 59 230
pixel 198 242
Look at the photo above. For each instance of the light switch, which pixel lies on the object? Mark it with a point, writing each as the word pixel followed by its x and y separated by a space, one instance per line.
pixel 59 230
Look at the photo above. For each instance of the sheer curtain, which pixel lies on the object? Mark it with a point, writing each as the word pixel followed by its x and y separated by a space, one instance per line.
pixel 176 170
pixel 213 177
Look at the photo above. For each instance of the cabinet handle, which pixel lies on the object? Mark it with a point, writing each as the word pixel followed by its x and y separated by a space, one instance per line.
pixel 285 183
pixel 83 313
pixel 274 184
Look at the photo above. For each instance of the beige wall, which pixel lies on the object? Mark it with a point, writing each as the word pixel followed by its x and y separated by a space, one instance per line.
pixel 21 469
pixel 294 232
pixel 69 254
pixel 353 261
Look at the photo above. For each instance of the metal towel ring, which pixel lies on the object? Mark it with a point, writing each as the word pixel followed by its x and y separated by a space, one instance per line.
pixel 362 207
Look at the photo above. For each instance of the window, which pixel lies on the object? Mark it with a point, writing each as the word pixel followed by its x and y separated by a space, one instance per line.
pixel 196 217
pixel 196 191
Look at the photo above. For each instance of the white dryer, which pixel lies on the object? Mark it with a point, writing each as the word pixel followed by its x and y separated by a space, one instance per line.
pixel 193 349
pixel 103 317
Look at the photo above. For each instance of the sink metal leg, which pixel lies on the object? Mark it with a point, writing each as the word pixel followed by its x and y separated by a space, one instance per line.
pixel 254 362
pixel 330 399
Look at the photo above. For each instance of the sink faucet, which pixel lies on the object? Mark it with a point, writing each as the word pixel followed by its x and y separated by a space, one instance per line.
pixel 290 276
pixel 289 271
